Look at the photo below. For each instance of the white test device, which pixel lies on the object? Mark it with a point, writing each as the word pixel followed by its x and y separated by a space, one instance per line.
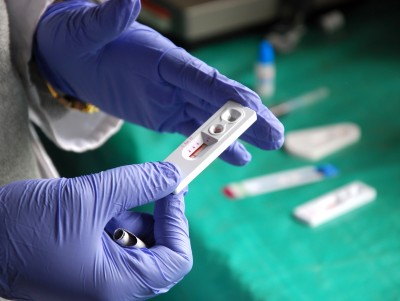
pixel 318 142
pixel 335 203
pixel 210 140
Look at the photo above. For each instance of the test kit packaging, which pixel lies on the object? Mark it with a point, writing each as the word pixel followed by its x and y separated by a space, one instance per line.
pixel 210 140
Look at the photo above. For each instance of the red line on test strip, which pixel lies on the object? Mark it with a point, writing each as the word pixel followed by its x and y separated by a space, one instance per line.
pixel 198 150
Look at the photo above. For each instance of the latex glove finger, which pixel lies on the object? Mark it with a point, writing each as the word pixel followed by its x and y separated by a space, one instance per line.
pixel 236 154
pixel 183 70
pixel 138 223
pixel 106 194
pixel 198 107
pixel 171 232
pixel 200 111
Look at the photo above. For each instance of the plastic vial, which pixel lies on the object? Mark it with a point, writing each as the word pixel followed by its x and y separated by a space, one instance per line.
pixel 265 71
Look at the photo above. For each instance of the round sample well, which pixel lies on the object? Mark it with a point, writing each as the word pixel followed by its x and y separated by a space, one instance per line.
pixel 231 115
pixel 216 129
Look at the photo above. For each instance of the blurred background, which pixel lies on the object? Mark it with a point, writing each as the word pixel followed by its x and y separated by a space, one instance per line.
pixel 254 248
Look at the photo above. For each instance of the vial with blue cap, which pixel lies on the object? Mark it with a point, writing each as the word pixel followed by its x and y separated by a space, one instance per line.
pixel 265 70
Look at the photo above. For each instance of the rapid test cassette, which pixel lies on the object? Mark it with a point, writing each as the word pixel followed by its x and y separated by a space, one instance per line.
pixel 210 140
pixel 335 203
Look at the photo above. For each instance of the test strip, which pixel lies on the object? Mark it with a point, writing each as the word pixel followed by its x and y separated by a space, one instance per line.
pixel 335 203
pixel 300 101
pixel 278 181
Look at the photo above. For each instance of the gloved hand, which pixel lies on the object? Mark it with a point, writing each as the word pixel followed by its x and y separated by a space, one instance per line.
pixel 53 245
pixel 101 55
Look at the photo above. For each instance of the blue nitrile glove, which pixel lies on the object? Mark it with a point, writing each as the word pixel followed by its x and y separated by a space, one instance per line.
pixel 53 243
pixel 99 54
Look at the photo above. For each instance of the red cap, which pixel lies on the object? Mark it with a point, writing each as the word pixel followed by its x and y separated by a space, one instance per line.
pixel 228 192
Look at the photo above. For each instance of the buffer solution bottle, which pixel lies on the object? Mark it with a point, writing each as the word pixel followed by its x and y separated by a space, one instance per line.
pixel 265 71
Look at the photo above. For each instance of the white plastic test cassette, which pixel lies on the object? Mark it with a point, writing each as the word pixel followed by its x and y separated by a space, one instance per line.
pixel 318 142
pixel 210 140
pixel 335 203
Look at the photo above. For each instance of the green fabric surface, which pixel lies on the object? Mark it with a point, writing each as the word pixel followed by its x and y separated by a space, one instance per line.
pixel 254 249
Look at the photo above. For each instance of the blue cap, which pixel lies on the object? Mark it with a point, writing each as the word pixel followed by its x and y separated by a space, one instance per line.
pixel 328 170
pixel 266 52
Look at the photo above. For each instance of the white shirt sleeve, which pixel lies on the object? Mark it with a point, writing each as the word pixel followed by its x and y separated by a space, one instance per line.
pixel 69 129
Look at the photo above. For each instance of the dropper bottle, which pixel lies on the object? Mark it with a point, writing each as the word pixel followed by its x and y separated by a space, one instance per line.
pixel 265 70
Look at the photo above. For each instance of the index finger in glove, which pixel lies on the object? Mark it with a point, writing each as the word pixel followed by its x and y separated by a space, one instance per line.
pixel 106 194
pixel 202 83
